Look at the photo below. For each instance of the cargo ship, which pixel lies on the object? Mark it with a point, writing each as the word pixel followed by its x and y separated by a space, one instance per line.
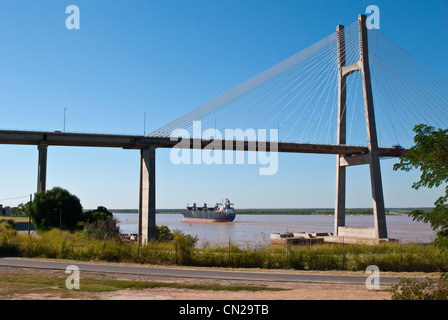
pixel 221 212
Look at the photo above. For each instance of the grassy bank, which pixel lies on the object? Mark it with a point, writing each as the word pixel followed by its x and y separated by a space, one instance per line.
pixel 77 246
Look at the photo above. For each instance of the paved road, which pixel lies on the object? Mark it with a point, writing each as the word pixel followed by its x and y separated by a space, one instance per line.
pixel 170 273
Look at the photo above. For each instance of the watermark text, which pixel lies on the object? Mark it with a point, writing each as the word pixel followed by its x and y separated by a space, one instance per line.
pixel 72 281
pixel 219 148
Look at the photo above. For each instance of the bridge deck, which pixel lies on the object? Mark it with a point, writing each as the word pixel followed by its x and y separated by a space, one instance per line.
pixel 57 138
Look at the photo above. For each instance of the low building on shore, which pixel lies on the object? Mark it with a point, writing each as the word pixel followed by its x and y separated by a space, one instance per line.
pixel 5 211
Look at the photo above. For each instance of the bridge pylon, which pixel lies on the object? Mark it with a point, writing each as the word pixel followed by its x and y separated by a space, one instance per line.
pixel 147 196
pixel 371 157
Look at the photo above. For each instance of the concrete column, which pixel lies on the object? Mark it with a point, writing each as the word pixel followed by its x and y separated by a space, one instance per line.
pixel 375 170
pixel 147 203
pixel 42 168
pixel 339 219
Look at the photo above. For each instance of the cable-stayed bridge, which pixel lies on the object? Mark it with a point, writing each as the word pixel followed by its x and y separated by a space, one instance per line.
pixel 355 94
pixel 299 96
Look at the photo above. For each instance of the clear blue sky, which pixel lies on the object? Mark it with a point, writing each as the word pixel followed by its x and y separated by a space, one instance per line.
pixel 166 58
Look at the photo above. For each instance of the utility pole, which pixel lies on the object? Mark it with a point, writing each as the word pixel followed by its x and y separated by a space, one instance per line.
pixel 29 214
pixel 65 111
pixel 144 124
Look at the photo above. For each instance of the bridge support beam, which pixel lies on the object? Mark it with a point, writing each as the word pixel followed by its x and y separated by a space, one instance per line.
pixel 42 167
pixel 147 202
pixel 372 157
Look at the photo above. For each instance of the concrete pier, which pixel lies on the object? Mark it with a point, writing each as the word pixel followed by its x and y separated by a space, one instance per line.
pixel 42 167
pixel 147 203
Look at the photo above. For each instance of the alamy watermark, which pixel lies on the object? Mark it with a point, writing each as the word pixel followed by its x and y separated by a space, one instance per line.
pixel 260 148
pixel 73 20
pixel 373 20
pixel 373 280
pixel 72 281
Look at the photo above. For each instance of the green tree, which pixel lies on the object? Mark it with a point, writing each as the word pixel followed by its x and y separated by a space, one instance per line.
pixel 430 156
pixel 163 233
pixel 100 213
pixel 23 207
pixel 56 207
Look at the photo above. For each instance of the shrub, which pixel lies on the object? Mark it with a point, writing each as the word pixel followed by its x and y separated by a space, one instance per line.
pixel 428 289
pixel 102 229
pixel 8 234
pixel 163 233
pixel 318 261
pixel 157 253
pixel 184 247
pixel 48 245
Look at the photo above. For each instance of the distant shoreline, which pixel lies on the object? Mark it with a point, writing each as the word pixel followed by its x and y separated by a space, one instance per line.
pixel 291 211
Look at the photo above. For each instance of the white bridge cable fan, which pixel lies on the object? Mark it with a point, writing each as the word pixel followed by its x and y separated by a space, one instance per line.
pixel 299 97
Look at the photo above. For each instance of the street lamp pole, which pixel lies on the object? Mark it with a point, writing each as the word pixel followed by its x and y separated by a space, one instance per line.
pixel 65 111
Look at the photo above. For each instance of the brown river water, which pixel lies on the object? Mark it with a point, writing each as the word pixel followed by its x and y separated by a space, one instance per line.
pixel 254 230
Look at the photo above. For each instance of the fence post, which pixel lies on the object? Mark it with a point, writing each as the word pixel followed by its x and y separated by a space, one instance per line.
pixel 29 215
pixel 139 236
pixel 175 252
pixel 230 240
pixel 63 245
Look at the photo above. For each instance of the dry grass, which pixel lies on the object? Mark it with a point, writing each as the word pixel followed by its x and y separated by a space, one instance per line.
pixel 36 284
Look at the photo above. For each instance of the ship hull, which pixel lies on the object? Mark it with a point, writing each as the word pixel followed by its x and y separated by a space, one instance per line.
pixel 209 216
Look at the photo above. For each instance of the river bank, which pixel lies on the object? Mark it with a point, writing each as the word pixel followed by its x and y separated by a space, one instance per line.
pixel 394 257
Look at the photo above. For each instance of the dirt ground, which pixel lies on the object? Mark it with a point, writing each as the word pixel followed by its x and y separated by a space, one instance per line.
pixel 306 292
